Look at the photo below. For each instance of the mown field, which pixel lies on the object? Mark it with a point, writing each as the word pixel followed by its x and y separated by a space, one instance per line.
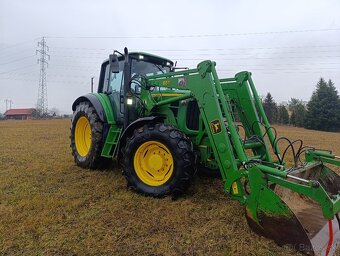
pixel 49 206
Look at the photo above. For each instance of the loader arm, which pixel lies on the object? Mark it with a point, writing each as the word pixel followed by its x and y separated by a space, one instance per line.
pixel 266 209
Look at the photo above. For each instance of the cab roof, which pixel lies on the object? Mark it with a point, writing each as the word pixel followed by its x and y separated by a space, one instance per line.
pixel 148 56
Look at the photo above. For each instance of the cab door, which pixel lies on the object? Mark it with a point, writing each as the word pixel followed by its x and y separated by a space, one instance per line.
pixel 111 85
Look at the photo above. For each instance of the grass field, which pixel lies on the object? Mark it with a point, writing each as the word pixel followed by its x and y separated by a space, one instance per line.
pixel 49 206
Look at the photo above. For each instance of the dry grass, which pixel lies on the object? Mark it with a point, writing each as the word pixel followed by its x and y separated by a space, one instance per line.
pixel 50 206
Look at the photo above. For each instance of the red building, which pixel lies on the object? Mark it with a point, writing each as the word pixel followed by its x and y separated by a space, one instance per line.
pixel 20 113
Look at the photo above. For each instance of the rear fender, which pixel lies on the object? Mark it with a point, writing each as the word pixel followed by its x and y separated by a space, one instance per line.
pixel 102 105
pixel 94 102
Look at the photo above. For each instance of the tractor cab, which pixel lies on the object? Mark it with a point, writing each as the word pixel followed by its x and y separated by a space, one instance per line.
pixel 120 78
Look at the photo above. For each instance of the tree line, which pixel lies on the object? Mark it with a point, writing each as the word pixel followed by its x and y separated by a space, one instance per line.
pixel 322 112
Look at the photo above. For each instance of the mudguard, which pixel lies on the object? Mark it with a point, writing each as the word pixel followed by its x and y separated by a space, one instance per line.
pixel 95 103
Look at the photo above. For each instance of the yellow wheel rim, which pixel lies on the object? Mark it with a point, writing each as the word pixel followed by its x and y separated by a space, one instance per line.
pixel 83 136
pixel 153 163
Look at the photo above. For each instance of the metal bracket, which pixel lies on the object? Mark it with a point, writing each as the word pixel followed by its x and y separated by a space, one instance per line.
pixel 242 76
pixel 204 68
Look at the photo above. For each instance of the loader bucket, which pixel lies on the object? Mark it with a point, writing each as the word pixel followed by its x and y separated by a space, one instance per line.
pixel 295 220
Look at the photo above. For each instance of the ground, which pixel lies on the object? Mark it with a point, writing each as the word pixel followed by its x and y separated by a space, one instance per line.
pixel 49 206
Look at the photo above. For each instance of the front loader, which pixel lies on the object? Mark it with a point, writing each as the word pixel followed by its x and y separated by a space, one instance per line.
pixel 162 125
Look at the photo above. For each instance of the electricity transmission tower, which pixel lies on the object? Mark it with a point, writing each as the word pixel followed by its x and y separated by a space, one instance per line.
pixel 8 102
pixel 42 103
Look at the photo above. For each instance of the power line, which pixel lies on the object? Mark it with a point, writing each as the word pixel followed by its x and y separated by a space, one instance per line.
pixel 279 69
pixel 20 43
pixel 97 50
pixel 101 56
pixel 17 60
pixel 265 58
pixel 174 36
pixel 78 71
pixel 78 56
pixel 96 67
pixel 81 48
pixel 16 69
pixel 265 52
pixel 188 57
pixel 68 81
pixel 241 48
pixel 16 53
pixel 199 35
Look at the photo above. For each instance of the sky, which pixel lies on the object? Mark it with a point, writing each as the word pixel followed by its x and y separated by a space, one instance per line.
pixel 287 45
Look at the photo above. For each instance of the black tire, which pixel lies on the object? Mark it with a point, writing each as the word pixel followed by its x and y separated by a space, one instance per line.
pixel 180 148
pixel 93 158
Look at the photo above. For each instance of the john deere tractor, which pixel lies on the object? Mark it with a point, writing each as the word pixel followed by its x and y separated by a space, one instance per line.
pixel 162 124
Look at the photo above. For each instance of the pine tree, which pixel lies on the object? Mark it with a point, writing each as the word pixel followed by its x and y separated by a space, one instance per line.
pixel 292 104
pixel 282 115
pixel 300 115
pixel 270 108
pixel 323 109
pixel 292 119
pixel 298 112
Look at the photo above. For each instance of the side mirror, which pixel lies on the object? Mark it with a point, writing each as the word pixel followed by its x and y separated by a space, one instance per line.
pixel 114 64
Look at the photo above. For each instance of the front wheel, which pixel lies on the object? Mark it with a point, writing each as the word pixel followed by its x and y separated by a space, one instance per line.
pixel 158 160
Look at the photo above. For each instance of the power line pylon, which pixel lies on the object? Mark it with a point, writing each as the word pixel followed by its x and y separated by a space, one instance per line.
pixel 42 103
pixel 8 102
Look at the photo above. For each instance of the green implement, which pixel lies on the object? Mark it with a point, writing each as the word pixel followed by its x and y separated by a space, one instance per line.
pixel 163 124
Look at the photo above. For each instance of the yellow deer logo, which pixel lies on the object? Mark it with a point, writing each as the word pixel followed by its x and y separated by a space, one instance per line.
pixel 215 126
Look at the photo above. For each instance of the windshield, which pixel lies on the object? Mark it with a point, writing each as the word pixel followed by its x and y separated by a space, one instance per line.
pixel 144 68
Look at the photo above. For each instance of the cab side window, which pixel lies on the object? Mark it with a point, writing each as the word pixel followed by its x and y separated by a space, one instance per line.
pixel 113 83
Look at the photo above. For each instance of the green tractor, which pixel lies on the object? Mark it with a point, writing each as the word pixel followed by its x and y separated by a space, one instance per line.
pixel 162 124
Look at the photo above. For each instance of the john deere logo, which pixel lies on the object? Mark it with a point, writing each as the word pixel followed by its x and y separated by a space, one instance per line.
pixel 215 126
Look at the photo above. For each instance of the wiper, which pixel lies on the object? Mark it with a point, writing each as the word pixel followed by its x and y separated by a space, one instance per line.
pixel 157 66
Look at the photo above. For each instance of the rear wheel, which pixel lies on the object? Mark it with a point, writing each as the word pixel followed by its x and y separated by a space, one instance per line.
pixel 158 160
pixel 87 137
